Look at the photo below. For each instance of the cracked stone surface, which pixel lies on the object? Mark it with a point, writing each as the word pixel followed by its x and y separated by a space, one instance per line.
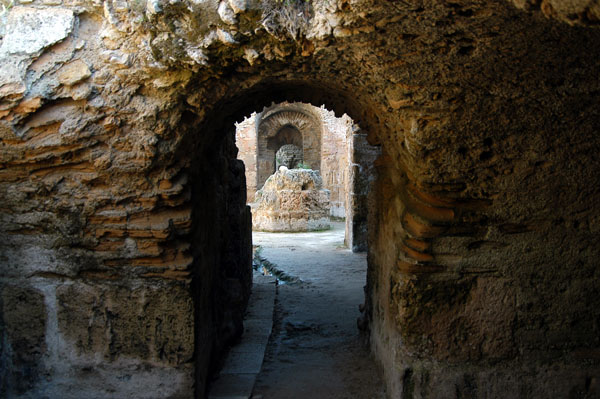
pixel 291 200
pixel 119 183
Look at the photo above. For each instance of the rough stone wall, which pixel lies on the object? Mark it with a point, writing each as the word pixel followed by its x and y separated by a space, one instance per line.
pixel 221 247
pixel 292 200
pixel 360 179
pixel 335 161
pixel 289 156
pixel 246 142
pixel 117 277
pixel 118 181
pixel 573 12
pixel 488 281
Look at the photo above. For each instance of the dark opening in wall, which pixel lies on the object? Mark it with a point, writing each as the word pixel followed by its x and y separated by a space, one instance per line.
pixel 221 227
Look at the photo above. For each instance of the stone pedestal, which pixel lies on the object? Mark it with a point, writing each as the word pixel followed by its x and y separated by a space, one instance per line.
pixel 292 200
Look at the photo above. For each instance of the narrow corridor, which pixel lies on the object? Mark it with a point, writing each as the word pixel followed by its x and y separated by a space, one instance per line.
pixel 316 350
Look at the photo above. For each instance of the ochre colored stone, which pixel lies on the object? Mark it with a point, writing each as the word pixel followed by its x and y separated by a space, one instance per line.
pixel 416 255
pixel 428 212
pixel 165 185
pixel 291 200
pixel 416 268
pixel 486 115
pixel 419 229
pixel 73 72
pixel 419 245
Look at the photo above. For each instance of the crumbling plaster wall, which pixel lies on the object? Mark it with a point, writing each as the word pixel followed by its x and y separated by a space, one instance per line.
pixel 118 164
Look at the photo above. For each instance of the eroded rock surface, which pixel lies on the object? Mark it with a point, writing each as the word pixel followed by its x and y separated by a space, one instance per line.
pixel 291 200
pixel 118 175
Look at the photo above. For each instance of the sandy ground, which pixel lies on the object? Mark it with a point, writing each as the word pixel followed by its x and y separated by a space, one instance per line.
pixel 316 350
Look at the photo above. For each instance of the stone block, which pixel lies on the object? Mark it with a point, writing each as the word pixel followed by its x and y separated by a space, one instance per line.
pixel 30 30
pixel 22 338
pixel 73 72
pixel 419 229
pixel 226 13
pixel 152 323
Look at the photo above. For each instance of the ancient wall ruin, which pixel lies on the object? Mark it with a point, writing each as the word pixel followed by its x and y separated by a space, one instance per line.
pixel 332 136
pixel 345 158
pixel 124 248
pixel 297 124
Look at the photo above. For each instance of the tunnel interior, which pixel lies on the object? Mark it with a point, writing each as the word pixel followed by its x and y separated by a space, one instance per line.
pixel 125 245
pixel 230 284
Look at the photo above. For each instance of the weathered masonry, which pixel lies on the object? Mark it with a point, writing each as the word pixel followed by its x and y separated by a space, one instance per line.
pixel 124 231
pixel 335 146
pixel 292 200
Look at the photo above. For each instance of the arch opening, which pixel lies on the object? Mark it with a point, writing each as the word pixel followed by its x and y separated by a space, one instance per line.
pixel 343 154
pixel 334 146
pixel 217 151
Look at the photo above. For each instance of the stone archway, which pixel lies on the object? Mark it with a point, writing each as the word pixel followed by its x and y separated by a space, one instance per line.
pixel 287 124
pixel 124 240
pixel 211 194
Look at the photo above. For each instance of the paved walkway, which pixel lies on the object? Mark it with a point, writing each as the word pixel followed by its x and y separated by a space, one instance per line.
pixel 315 349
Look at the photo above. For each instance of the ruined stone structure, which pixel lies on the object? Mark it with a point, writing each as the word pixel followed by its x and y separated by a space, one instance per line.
pixel 124 234
pixel 345 158
pixel 260 136
pixel 292 200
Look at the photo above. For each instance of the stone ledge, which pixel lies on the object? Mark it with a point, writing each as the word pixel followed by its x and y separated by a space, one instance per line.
pixel 244 361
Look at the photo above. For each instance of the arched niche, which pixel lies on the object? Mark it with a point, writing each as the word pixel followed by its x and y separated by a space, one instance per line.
pixel 288 155
pixel 288 134
pixel 287 124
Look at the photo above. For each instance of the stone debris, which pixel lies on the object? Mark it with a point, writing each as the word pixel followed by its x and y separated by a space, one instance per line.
pixel 238 6
pixel 289 156
pixel 292 200
pixel 227 14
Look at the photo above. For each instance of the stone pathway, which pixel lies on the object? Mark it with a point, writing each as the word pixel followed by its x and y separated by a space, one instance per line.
pixel 315 349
